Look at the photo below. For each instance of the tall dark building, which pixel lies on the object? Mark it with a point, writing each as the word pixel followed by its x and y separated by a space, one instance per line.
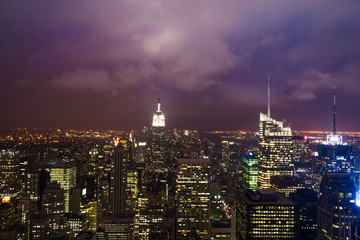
pixel 37 225
pixel 336 206
pixel 53 202
pixel 306 212
pixel 335 155
pixel 36 183
pixel 301 152
pixel 265 214
pixel 120 191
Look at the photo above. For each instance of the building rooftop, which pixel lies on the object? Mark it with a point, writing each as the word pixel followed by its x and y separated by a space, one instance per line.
pixel 286 180
pixel 62 165
pixel 194 160
pixel 304 194
pixel 264 197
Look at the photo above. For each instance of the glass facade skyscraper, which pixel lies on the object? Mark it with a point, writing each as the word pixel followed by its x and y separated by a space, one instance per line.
pixel 275 150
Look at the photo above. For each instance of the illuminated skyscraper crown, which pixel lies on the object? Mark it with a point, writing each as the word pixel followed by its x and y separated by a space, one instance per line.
pixel 271 127
pixel 159 118
pixel 268 125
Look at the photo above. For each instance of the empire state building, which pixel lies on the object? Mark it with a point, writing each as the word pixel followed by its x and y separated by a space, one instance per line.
pixel 159 117
pixel 158 141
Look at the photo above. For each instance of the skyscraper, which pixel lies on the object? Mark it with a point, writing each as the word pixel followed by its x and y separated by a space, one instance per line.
pixel 158 141
pixel 275 148
pixel 54 204
pixel 249 171
pixel 120 191
pixel 336 206
pixel 65 175
pixel 9 172
pixel 306 212
pixel 335 155
pixel 193 197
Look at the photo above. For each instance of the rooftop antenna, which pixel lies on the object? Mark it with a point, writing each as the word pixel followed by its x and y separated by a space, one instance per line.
pixel 158 100
pixel 334 113
pixel 268 95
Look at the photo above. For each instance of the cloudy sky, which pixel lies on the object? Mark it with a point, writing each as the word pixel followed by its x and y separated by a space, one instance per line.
pixel 98 64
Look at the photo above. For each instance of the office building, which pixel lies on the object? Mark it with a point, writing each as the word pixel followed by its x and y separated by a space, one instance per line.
pixel 249 171
pixel 150 220
pixel 306 212
pixel 119 187
pixel 193 197
pixel 275 150
pixel 37 226
pixel 53 202
pixel 117 226
pixel 9 172
pixel 301 152
pixel 76 222
pixel 36 183
pixel 265 214
pixel 286 184
pixel 336 206
pixel 65 175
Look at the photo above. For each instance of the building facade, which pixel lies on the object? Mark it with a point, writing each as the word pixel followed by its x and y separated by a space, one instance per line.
pixel 336 206
pixel 65 175
pixel 193 197
pixel 275 150
pixel 265 214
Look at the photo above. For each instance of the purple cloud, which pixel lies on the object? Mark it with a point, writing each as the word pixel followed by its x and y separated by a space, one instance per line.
pixel 208 51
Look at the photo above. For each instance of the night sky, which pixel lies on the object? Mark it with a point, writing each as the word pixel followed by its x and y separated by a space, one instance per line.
pixel 98 64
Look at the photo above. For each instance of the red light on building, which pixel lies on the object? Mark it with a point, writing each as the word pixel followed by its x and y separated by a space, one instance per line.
pixel 306 137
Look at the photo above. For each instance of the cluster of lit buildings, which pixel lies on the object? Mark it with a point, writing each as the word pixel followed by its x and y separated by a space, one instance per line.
pixel 159 184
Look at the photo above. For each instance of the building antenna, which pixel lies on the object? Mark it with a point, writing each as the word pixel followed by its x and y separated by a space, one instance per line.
pixel 268 95
pixel 158 100
pixel 334 113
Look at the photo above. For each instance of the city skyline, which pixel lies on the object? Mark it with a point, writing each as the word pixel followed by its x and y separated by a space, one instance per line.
pixel 98 65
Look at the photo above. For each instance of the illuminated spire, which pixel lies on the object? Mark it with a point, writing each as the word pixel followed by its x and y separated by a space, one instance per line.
pixel 334 113
pixel 159 101
pixel 269 95
pixel 159 118
pixel 334 138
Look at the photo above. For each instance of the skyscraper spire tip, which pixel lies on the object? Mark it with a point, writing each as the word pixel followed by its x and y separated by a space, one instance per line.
pixel 158 100
pixel 269 96
pixel 334 112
